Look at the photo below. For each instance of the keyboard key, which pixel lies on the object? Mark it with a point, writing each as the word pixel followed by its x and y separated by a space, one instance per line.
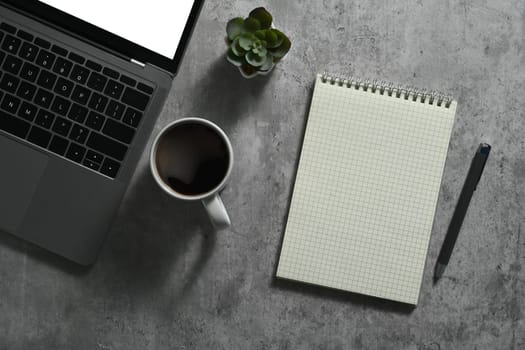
pixel 80 94
pixel 59 50
pixel 2 54
pixel 97 81
pixel 29 72
pixel 78 113
pixel 43 43
pixel 91 165
pixel 110 168
pixel 43 98
pixel 76 58
pixel 28 52
pixel 44 119
pixel 118 131
pixel 45 59
pixel 132 117
pixel 12 64
pixel 145 88
pixel 8 28
pixel 128 81
pixel 9 83
pixel 110 73
pixel 94 157
pixel 107 146
pixel 39 136
pixel 115 110
pixel 135 99
pixel 46 80
pixel 25 35
pixel 58 145
pixel 98 102
pixel 62 67
pixel 62 126
pixel 95 121
pixel 27 111
pixel 26 91
pixel 10 104
pixel 75 153
pixel 79 74
pixel 79 134
pixel 93 65
pixel 60 105
pixel 64 87
pixel 114 89
pixel 13 125
pixel 1 36
pixel 11 44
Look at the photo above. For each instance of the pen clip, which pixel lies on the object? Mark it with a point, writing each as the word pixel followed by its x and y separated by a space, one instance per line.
pixel 484 151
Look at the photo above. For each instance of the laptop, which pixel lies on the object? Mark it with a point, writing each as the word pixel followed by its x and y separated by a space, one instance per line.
pixel 81 86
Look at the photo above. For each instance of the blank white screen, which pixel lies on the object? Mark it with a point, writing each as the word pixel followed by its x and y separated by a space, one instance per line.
pixel 154 24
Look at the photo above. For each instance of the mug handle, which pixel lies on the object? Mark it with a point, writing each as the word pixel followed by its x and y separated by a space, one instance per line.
pixel 217 212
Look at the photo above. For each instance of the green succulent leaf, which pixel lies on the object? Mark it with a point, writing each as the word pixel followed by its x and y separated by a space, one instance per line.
pixel 254 59
pixel 268 64
pixel 234 27
pixel 261 34
pixel 261 51
pixel 246 41
pixel 234 59
pixel 281 50
pixel 254 46
pixel 237 49
pixel 263 16
pixel 273 38
pixel 251 25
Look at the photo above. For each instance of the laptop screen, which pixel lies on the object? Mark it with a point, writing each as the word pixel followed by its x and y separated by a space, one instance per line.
pixel 154 24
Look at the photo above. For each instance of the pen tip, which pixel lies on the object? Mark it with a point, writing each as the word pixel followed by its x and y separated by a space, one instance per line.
pixel 438 272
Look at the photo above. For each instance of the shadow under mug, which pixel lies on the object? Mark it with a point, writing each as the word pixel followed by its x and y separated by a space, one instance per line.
pixel 210 198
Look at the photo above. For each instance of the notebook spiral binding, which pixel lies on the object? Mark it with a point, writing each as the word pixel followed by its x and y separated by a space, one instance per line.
pixel 391 89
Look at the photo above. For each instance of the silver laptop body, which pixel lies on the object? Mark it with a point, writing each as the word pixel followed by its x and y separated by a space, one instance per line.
pixel 52 193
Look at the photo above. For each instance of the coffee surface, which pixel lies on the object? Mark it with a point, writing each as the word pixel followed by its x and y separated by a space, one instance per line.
pixel 192 159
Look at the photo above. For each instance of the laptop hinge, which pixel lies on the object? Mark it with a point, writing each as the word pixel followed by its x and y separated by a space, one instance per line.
pixel 144 65
pixel 138 63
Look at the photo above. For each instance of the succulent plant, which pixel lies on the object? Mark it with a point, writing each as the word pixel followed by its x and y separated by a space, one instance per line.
pixel 254 45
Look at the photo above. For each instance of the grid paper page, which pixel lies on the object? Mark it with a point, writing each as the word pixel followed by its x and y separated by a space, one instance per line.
pixel 366 191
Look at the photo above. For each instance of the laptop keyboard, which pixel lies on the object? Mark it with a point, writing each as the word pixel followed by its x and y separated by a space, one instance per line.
pixel 61 101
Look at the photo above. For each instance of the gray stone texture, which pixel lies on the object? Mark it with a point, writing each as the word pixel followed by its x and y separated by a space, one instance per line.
pixel 165 280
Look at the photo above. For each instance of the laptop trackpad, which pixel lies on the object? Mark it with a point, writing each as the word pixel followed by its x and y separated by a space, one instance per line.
pixel 20 172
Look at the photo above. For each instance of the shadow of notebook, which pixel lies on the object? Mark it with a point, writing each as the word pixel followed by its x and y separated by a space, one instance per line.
pixel 366 191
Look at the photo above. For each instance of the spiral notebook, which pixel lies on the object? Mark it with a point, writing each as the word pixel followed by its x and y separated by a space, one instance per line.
pixel 366 189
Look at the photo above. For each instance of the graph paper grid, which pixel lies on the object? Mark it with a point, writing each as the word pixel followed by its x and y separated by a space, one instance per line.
pixel 366 191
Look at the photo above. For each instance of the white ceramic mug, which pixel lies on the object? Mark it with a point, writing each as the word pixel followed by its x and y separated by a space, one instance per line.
pixel 210 199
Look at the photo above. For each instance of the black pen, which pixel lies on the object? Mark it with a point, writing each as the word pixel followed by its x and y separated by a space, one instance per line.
pixel 474 174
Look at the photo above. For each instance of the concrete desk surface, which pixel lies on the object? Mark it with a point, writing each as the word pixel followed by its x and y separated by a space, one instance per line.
pixel 165 280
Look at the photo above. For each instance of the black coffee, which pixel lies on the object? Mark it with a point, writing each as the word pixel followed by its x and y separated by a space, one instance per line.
pixel 192 158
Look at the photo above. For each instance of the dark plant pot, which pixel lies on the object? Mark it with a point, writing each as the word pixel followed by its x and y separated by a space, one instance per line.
pixel 247 74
